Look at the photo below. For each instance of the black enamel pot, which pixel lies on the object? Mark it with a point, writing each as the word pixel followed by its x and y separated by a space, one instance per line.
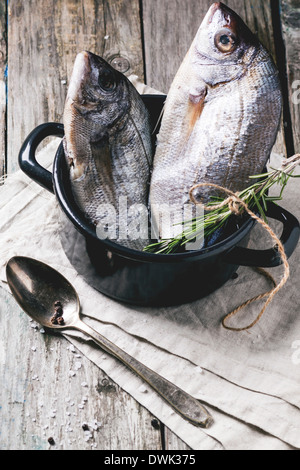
pixel 142 278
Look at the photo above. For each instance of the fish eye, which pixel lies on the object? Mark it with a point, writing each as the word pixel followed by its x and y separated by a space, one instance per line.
pixel 225 40
pixel 106 81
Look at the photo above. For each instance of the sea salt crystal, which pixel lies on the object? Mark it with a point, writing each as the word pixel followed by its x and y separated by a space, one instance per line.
pixel 78 365
pixel 72 373
pixel 143 389
pixel 88 436
pixel 199 369
pixel 84 384
pixel 95 425
pixel 33 348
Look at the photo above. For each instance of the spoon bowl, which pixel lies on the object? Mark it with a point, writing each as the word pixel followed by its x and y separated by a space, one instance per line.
pixel 37 287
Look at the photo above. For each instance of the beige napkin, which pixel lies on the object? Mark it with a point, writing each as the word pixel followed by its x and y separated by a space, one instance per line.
pixel 249 381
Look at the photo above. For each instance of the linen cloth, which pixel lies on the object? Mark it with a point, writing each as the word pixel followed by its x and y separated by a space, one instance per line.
pixel 249 381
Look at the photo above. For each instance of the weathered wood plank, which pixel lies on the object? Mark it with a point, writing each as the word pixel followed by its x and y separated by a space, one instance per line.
pixel 3 60
pixel 290 15
pixel 48 389
pixel 170 27
pixel 172 442
pixel 43 40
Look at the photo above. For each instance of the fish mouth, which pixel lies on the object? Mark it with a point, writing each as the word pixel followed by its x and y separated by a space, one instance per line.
pixel 214 7
pixel 81 72
pixel 223 16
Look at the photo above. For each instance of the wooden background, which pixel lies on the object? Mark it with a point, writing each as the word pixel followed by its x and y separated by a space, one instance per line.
pixel 38 44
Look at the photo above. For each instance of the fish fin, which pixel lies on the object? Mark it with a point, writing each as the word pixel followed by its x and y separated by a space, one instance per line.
pixel 196 105
pixel 159 119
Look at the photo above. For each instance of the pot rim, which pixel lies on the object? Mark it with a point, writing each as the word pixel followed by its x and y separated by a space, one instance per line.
pixel 88 229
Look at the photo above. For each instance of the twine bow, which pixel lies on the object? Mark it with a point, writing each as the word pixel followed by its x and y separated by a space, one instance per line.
pixel 236 206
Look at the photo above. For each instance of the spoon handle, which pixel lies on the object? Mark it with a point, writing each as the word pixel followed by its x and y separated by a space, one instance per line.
pixel 183 403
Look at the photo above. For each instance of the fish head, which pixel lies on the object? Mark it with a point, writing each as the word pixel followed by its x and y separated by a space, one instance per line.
pixel 97 92
pixel 97 103
pixel 224 46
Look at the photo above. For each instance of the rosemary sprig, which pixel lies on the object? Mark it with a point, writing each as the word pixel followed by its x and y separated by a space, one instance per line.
pixel 256 195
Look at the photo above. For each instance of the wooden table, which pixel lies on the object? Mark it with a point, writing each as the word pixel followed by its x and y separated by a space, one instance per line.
pixel 38 44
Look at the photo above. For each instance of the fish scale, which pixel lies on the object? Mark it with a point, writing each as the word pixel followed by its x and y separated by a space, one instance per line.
pixel 221 116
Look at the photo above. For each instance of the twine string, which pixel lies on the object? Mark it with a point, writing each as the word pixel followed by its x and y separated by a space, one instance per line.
pixel 236 205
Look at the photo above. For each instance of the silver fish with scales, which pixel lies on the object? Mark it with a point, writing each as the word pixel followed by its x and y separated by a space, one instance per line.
pixel 221 116
pixel 108 147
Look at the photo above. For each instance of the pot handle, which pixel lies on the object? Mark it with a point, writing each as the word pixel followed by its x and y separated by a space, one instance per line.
pixel 27 160
pixel 269 258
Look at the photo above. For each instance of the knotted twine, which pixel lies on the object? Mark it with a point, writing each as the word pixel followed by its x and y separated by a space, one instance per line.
pixel 235 203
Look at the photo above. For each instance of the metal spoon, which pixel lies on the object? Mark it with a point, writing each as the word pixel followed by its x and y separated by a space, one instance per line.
pixel 36 287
